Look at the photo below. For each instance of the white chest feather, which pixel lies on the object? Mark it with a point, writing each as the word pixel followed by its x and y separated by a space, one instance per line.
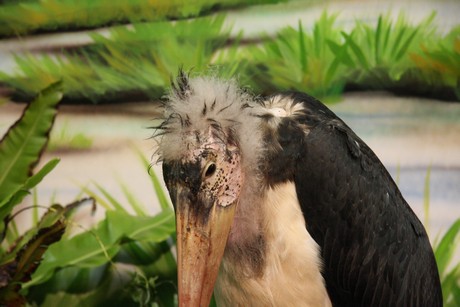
pixel 291 275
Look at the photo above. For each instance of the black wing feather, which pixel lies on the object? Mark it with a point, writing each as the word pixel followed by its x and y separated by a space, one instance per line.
pixel 375 250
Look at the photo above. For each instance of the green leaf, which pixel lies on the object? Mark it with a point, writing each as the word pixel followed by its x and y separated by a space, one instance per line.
pixel 74 286
pixel 451 287
pixel 116 204
pixel 154 229
pixel 53 215
pixel 97 247
pixel 341 53
pixel 132 200
pixel 302 51
pixel 447 246
pixel 377 40
pixel 21 147
pixel 26 259
pixel 356 50
pixel 23 190
pixel 38 177
pixel 405 46
pixel 163 199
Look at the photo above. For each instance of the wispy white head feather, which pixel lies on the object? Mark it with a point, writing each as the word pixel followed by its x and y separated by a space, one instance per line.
pixel 194 107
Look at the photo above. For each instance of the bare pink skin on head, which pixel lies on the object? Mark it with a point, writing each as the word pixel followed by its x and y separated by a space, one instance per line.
pixel 222 176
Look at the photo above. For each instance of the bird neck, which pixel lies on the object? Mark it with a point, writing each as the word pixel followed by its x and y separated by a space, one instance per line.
pixel 246 242
pixel 273 251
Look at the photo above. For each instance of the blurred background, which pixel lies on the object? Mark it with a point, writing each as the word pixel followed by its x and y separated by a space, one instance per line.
pixel 389 69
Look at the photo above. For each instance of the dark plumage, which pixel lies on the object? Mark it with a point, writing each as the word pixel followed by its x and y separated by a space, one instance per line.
pixel 247 176
pixel 375 250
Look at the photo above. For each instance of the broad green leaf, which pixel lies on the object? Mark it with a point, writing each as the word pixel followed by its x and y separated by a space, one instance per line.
pixel 96 247
pixel 24 142
pixel 155 229
pixel 74 286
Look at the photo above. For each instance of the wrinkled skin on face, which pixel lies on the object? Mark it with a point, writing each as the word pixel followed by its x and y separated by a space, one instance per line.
pixel 204 186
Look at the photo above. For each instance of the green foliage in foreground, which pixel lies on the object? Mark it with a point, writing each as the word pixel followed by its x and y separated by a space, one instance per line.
pixel 126 259
pixel 18 18
pixel 20 149
pixel 449 272
pixel 445 250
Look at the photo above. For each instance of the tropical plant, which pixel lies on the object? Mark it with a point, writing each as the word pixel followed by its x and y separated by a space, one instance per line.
pixel 20 150
pixel 379 54
pixel 126 259
pixel 390 55
pixel 298 60
pixel 94 261
pixel 101 72
pixel 439 64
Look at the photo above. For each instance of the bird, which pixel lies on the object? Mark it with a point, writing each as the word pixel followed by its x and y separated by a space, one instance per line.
pixel 279 203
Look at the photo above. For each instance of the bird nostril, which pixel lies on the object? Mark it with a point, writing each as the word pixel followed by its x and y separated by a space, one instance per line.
pixel 210 170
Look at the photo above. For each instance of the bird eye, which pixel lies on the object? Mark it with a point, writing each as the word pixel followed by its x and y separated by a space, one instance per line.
pixel 210 170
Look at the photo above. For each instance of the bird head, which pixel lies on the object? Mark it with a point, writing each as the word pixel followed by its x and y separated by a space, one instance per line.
pixel 201 144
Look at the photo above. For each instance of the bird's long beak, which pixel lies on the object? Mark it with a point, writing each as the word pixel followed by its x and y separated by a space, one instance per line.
pixel 202 232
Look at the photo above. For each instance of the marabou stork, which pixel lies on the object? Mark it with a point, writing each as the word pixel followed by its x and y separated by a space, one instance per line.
pixel 279 203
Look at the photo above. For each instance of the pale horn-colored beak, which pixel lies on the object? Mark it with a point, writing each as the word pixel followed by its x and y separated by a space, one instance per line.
pixel 202 232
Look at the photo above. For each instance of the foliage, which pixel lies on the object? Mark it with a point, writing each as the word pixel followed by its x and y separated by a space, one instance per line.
pixel 125 260
pixel 155 50
pixel 450 277
pixel 25 255
pixel 297 60
pixel 444 252
pixel 395 56
pixel 20 150
pixel 51 15
pixel 119 238
pixel 65 140
pixel 390 55
pixel 378 55
pixel 439 64
pixel 45 262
